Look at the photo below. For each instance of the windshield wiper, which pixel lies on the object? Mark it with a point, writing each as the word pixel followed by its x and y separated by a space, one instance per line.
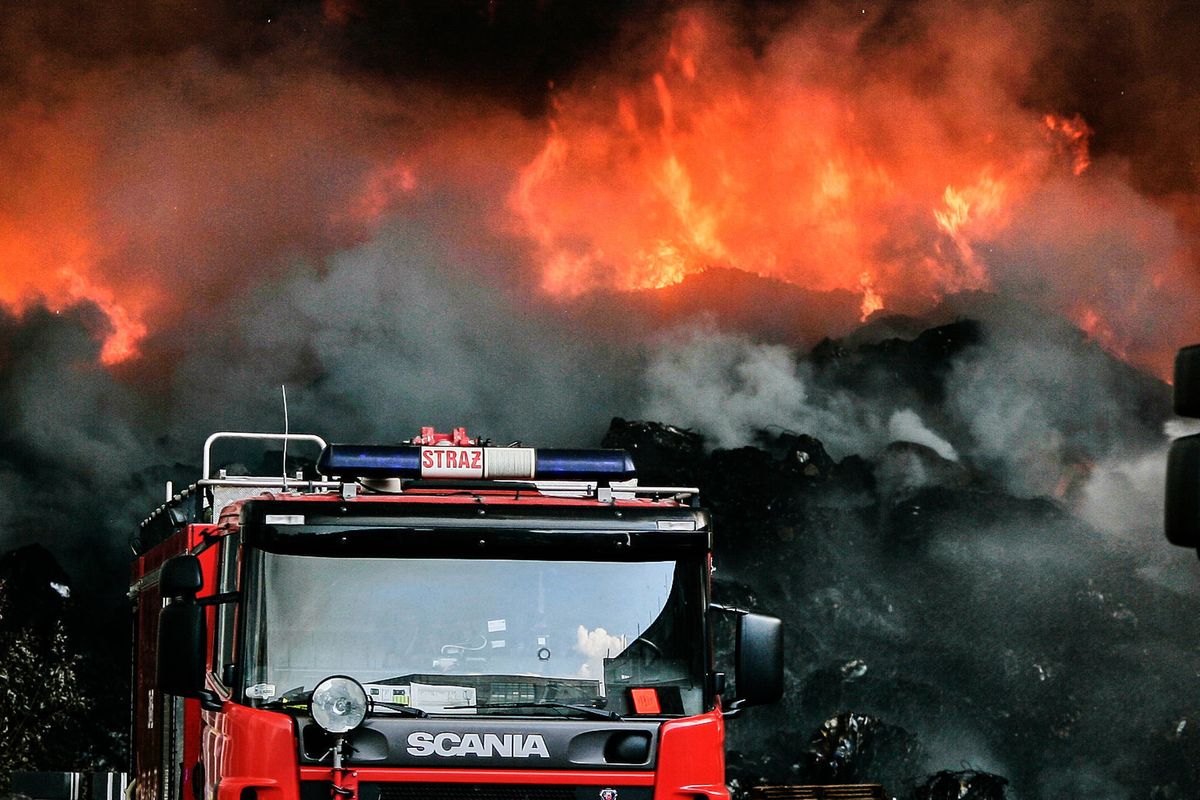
pixel 299 702
pixel 293 700
pixel 586 710
pixel 407 711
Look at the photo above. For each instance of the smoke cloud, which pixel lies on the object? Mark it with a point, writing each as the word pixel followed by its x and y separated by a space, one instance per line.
pixel 906 426
pixel 730 387
pixel 201 205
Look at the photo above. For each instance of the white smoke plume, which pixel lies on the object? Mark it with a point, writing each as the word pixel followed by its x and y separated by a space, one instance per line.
pixel 729 387
pixel 906 426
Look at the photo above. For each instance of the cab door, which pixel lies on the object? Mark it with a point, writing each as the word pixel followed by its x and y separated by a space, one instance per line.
pixel 223 668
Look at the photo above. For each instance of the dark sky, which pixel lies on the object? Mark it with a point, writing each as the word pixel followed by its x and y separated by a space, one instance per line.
pixel 1130 69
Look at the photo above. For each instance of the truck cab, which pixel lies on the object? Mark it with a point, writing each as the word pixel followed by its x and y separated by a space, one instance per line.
pixel 437 618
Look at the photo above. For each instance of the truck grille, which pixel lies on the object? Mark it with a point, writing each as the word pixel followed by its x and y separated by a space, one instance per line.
pixel 473 791
pixel 858 791
pixel 320 790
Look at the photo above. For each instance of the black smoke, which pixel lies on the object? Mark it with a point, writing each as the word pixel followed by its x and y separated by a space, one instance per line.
pixel 976 522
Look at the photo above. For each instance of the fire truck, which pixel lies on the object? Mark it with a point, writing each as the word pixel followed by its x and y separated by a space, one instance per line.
pixel 441 618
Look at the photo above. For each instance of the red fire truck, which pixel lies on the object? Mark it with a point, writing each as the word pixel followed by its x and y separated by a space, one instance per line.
pixel 437 619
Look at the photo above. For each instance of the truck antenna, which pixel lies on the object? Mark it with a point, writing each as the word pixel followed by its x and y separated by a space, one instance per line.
pixel 283 389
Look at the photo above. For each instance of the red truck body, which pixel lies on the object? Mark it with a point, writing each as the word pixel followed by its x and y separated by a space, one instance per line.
pixel 518 638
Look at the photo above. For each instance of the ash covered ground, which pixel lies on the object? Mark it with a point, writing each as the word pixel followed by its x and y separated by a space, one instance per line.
pixel 958 524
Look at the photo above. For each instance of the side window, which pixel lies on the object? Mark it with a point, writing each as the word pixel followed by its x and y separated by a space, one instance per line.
pixel 227 612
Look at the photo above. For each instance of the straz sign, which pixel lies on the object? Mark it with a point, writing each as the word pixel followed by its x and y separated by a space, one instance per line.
pixel 451 462
pixel 482 745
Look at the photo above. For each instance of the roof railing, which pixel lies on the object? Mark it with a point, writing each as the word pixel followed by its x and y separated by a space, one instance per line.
pixel 197 495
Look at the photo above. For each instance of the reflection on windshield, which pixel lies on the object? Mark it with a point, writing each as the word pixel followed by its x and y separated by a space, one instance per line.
pixel 439 633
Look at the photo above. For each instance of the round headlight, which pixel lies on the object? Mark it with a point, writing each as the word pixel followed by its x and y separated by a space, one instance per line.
pixel 339 704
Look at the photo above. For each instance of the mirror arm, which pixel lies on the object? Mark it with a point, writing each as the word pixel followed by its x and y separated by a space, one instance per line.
pixel 735 709
pixel 740 612
pixel 735 705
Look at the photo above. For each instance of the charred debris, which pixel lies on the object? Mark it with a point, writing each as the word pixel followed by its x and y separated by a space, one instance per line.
pixel 948 636
pixel 781 508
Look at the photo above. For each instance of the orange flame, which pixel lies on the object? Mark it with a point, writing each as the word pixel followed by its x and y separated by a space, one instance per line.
pixel 897 172
pixel 872 301
pixel 121 344
pixel 153 207
pixel 28 260
pixel 716 162
pixel 1074 133
pixel 973 211
pixel 1099 330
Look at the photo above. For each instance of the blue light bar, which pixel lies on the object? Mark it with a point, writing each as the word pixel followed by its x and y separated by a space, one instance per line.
pixel 474 463
pixel 370 461
pixel 583 465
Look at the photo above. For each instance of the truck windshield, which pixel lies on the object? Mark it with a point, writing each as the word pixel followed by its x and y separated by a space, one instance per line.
pixel 453 636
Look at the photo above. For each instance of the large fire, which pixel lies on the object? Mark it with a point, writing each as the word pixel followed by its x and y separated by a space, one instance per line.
pixel 151 201
pixel 901 172
pixel 777 167
pixel 889 177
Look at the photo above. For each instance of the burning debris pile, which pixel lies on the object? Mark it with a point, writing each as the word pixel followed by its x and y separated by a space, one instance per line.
pixel 940 610
pixel 880 157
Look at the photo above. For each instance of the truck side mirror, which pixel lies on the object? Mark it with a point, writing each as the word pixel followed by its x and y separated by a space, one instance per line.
pixel 182 634
pixel 1187 381
pixel 181 576
pixel 1182 518
pixel 758 661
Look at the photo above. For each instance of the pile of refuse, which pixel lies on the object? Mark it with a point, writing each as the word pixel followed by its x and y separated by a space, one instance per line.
pixel 947 635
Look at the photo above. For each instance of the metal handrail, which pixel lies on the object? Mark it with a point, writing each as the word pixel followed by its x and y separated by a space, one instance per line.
pixel 270 437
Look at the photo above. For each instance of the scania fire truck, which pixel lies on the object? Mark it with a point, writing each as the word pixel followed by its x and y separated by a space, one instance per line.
pixel 440 619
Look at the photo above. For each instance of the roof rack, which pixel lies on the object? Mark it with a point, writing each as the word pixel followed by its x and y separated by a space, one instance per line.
pixel 189 505
pixel 214 493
